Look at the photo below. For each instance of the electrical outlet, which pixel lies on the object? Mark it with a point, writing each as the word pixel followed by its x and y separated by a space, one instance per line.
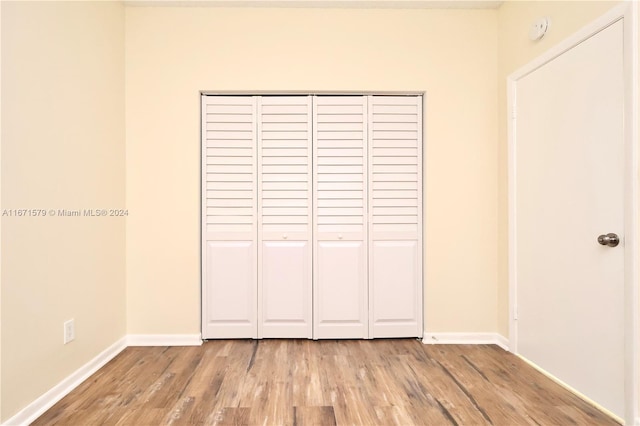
pixel 69 331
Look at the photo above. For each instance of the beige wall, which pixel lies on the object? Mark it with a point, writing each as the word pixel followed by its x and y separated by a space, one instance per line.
pixel 62 148
pixel 173 53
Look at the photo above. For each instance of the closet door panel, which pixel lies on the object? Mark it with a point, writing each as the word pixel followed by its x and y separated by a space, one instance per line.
pixel 340 213
pixel 231 289
pixel 341 303
pixel 285 217
pixel 229 222
pixel 286 289
pixel 396 299
pixel 395 216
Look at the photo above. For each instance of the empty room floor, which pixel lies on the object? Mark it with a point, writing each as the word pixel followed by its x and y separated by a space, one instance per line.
pixel 326 382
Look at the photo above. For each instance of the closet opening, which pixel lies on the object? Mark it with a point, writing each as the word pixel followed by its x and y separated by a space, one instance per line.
pixel 312 216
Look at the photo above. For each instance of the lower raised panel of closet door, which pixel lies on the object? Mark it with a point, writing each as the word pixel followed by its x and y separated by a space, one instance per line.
pixel 340 294
pixel 395 289
pixel 285 296
pixel 229 308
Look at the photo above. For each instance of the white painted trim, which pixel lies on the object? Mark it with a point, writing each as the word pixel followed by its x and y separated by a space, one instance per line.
pixel 572 390
pixel 511 215
pixel 465 339
pixel 310 93
pixel 0 220
pixel 503 342
pixel 164 340
pixel 632 284
pixel 35 409
pixel 203 215
pixel 628 10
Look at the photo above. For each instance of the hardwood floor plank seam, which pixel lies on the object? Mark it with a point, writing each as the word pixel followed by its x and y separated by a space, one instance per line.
pixel 466 392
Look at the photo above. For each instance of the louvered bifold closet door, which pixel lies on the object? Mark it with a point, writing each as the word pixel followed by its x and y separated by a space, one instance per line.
pixel 229 217
pixel 285 217
pixel 395 218
pixel 340 237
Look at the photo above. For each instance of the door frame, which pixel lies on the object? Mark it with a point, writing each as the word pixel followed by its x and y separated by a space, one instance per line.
pixel 627 11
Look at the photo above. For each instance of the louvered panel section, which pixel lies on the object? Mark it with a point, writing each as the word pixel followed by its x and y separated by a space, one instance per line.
pixel 284 166
pixel 340 130
pixel 229 222
pixel 340 264
pixel 229 164
pixel 395 165
pixel 285 213
pixel 395 220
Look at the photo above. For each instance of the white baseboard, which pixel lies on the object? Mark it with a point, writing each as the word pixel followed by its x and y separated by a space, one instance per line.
pixel 164 340
pixel 466 339
pixel 34 410
pixel 573 390
pixel 503 342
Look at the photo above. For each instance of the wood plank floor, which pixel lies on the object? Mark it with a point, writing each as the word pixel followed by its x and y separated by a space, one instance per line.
pixel 327 382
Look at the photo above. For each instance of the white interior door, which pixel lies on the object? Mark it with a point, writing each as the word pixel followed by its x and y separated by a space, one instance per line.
pixel 569 189
pixel 340 172
pixel 229 232
pixel 285 217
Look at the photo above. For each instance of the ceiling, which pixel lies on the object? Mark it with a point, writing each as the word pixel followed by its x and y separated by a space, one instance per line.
pixel 347 4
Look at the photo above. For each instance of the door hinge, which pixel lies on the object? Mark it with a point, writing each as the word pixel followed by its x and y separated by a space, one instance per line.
pixel 515 313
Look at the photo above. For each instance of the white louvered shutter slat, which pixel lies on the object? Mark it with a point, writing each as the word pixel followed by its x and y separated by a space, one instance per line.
pixel 229 221
pixel 340 177
pixel 395 218
pixel 285 217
